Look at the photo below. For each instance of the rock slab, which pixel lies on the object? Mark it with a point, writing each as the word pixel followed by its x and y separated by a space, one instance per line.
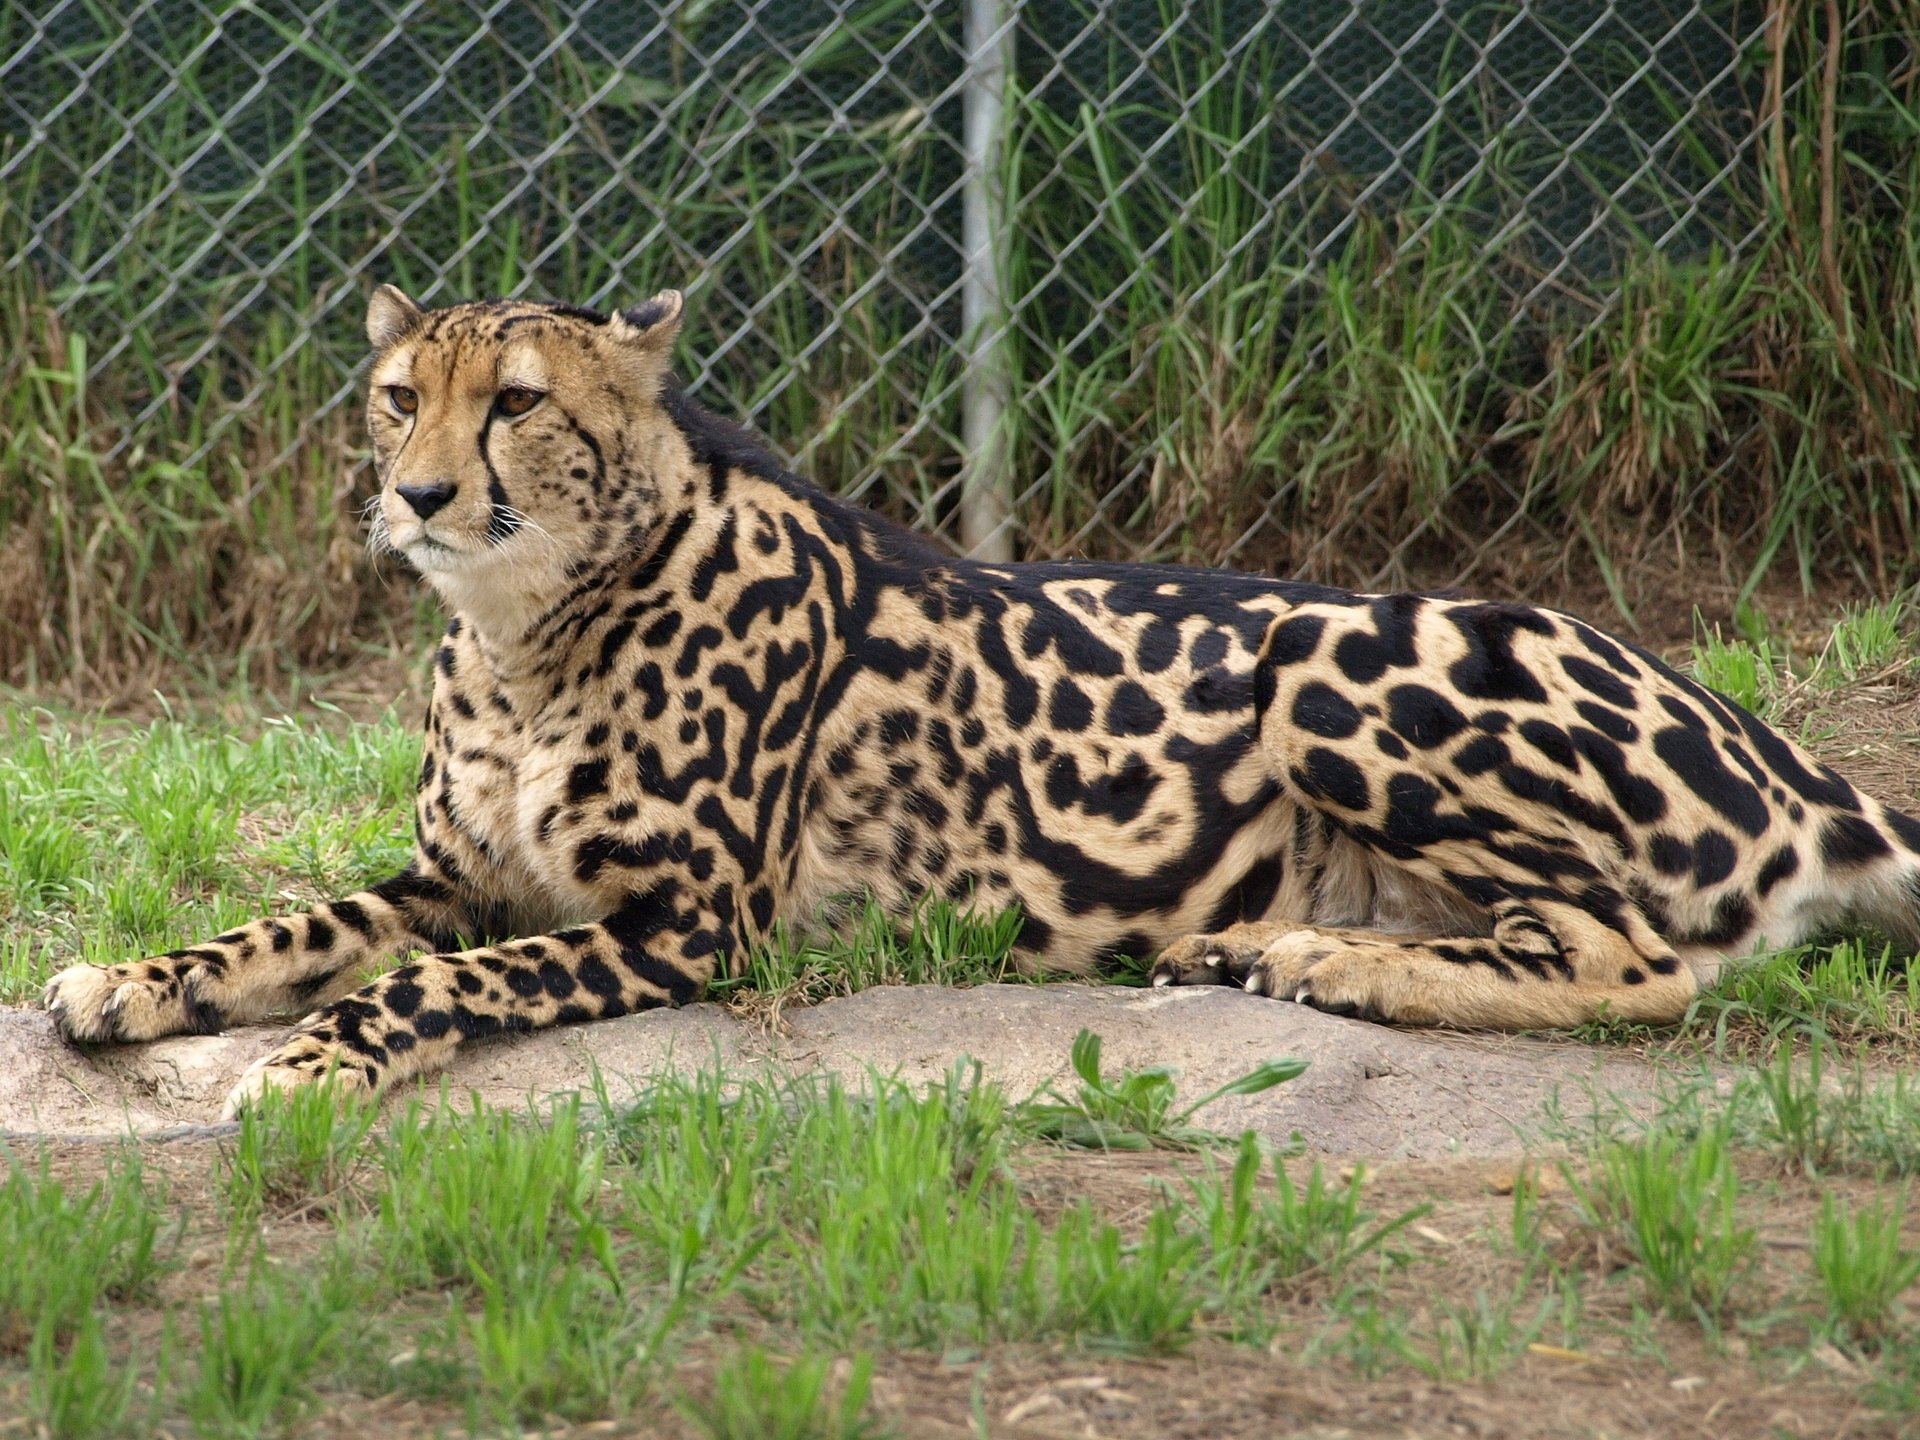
pixel 1368 1090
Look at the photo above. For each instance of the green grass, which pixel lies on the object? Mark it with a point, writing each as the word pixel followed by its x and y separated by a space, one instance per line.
pixel 1135 1110
pixel 261 1348
pixel 1673 1202
pixel 81 1391
pixel 890 1214
pixel 1756 669
pixel 489 1201
pixel 939 943
pixel 1289 1237
pixel 69 1249
pixel 1869 641
pixel 1863 1267
pixel 1749 672
pixel 1481 1335
pixel 569 1262
pixel 1802 1107
pixel 756 1397
pixel 296 1149
pixel 1857 1122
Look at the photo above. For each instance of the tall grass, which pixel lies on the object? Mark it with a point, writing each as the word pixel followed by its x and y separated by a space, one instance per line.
pixel 1373 378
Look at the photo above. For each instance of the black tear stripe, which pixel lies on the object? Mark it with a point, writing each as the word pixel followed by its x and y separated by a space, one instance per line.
pixel 502 523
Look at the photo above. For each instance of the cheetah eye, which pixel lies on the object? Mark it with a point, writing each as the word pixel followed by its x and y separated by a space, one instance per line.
pixel 517 400
pixel 402 399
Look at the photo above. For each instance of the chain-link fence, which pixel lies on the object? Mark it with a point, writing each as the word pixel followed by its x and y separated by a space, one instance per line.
pixel 1035 276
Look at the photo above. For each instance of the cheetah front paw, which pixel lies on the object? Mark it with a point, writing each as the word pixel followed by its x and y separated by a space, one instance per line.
pixel 142 1001
pixel 1302 965
pixel 1309 968
pixel 1200 960
pixel 303 1060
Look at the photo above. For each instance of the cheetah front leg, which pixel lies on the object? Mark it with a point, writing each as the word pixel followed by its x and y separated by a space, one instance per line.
pixel 279 964
pixel 659 948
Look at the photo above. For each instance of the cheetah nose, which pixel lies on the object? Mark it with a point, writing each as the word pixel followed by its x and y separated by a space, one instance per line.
pixel 425 499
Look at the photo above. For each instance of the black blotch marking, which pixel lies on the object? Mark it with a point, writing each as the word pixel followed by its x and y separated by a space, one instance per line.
pixel 1490 670
pixel 1598 682
pixel 1607 721
pixel 1638 797
pixel 1905 828
pixel 1732 918
pixel 1422 716
pixel 1670 855
pixel 1329 775
pixel 1848 842
pixel 1068 707
pixel 1249 898
pixel 1481 754
pixel 353 915
pixel 1713 858
pixel 1294 639
pixel 1551 741
pixel 1783 864
pixel 1158 647
pixel 1364 656
pixel 1690 754
pixel 1132 711
pixel 1319 709
pixel 587 779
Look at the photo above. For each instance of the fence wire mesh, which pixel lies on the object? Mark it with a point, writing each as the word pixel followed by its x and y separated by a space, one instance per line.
pixel 207 189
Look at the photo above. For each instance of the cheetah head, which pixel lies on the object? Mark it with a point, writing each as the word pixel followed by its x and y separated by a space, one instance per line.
pixel 514 441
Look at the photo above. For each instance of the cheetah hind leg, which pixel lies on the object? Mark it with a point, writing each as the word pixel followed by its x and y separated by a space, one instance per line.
pixel 1545 966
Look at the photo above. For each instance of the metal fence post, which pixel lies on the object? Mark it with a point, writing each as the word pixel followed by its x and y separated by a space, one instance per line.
pixel 986 511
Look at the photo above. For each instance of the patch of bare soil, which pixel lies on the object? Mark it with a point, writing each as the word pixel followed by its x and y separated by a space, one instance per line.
pixel 1869 732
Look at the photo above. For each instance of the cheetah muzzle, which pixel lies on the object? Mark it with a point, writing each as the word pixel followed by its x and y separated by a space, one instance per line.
pixel 684 694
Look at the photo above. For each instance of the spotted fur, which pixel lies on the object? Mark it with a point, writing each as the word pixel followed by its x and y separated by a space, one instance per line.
pixel 684 694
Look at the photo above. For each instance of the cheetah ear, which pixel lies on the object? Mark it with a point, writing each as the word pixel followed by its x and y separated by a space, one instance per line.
pixel 655 324
pixel 390 315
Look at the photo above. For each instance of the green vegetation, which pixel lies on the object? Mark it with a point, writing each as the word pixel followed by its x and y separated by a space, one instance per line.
pixel 1863 1268
pixel 1749 672
pixel 298 1152
pixel 756 1397
pixel 68 1250
pixel 1758 671
pixel 940 943
pixel 182 460
pixel 1672 1201
pixel 1135 1111
pixel 1851 990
